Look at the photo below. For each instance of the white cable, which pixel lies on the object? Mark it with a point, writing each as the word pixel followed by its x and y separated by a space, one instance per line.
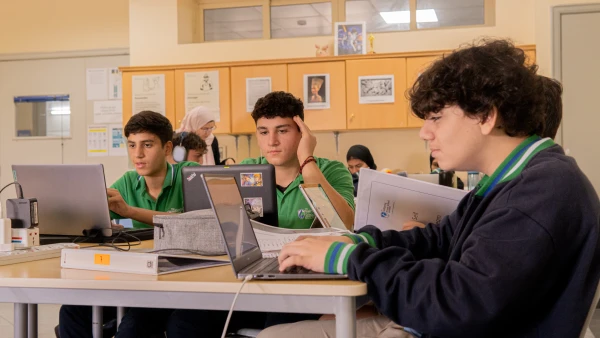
pixel 249 277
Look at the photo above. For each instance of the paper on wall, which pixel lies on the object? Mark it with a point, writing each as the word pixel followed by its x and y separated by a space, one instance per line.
pixel 148 93
pixel 202 89
pixel 115 87
pixel 118 146
pixel 256 88
pixel 108 111
pixel 97 140
pixel 97 83
pixel 388 201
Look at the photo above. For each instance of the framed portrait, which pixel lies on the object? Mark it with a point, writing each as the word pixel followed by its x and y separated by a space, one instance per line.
pixel 351 38
pixel 376 89
pixel 316 91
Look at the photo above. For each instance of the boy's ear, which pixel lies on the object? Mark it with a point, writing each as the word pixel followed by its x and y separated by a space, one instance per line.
pixel 168 148
pixel 492 122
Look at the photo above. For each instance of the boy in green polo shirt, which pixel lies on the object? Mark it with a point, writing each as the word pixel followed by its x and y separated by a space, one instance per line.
pixel 288 144
pixel 155 187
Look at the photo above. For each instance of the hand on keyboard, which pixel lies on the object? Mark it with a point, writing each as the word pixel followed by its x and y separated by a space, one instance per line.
pixel 308 253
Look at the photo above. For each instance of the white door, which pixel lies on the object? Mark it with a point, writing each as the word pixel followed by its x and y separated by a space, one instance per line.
pixel 64 76
pixel 579 71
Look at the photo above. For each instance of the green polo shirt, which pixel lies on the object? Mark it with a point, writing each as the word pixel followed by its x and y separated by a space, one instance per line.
pixel 133 190
pixel 292 209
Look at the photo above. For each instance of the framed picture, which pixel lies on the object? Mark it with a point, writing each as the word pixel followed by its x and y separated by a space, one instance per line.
pixel 351 38
pixel 316 91
pixel 376 89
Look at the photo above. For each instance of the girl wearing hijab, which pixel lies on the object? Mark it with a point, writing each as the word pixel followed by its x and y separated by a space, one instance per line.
pixel 201 121
pixel 359 156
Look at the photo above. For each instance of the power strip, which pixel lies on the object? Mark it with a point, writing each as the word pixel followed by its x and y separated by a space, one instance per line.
pixel 34 253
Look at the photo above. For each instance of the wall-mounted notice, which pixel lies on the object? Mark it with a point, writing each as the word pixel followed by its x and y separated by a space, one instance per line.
pixel 108 111
pixel 96 83
pixel 202 89
pixel 118 146
pixel 97 141
pixel 115 87
pixel 148 93
pixel 256 88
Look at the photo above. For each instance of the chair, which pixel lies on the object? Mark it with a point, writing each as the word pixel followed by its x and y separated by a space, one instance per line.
pixel 588 319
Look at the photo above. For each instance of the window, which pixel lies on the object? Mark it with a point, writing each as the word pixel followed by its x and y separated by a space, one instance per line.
pixel 448 13
pixel 45 116
pixel 301 20
pixel 233 23
pixel 380 15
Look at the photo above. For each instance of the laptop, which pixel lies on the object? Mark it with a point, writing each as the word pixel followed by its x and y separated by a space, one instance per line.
pixel 256 182
pixel 241 243
pixel 320 204
pixel 72 200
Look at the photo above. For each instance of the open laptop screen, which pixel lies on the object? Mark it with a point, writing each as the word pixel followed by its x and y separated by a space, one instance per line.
pixel 231 215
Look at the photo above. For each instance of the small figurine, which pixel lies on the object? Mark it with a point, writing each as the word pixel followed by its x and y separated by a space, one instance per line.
pixel 322 50
pixel 371 39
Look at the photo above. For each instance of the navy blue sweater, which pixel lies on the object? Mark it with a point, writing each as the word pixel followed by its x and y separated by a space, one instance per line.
pixel 523 261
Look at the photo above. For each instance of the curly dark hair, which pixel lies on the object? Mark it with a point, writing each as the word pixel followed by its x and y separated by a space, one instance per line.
pixel 479 77
pixel 150 122
pixel 552 105
pixel 278 104
pixel 191 141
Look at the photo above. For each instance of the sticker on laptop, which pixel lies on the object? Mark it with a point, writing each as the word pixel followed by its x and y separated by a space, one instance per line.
pixel 251 179
pixel 256 204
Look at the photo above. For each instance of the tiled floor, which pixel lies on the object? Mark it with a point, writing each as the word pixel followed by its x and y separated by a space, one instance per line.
pixel 48 318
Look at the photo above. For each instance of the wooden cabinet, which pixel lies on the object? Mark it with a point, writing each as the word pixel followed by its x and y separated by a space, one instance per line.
pixel 169 89
pixel 241 120
pixel 376 115
pixel 414 67
pixel 224 122
pixel 332 118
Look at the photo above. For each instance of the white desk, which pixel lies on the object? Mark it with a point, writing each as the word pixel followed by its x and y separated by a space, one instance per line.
pixel 44 282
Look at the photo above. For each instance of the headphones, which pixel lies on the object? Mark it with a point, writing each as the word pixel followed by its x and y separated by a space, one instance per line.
pixel 179 152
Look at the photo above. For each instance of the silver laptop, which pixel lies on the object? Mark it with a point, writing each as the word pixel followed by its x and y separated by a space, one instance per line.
pixel 241 243
pixel 72 198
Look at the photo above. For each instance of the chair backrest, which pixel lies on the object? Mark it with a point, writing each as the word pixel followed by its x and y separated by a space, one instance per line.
pixel 588 319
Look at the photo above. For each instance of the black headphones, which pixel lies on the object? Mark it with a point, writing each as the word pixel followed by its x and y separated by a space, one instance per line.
pixel 179 152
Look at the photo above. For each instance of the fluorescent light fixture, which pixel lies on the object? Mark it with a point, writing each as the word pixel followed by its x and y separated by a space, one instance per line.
pixel 60 111
pixel 423 15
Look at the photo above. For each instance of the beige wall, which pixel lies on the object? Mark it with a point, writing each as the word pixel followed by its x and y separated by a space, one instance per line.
pixel 158 19
pixel 30 26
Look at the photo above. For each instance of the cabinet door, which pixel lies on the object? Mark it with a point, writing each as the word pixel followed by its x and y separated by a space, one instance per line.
pixel 530 56
pixel 300 77
pixel 224 119
pixel 169 88
pixel 375 115
pixel 414 67
pixel 241 120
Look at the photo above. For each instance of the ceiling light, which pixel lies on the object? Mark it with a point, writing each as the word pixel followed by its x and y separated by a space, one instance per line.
pixel 423 15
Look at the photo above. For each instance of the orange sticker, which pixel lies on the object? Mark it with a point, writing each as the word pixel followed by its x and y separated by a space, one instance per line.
pixel 102 259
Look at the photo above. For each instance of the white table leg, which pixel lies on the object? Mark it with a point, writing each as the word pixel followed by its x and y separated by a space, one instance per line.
pixel 345 317
pixel 97 321
pixel 120 314
pixel 20 320
pixel 32 320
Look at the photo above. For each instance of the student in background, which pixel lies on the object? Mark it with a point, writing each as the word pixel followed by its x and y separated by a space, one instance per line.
pixel 358 157
pixel 518 256
pixel 201 121
pixel 195 147
pixel 288 144
pixel 154 188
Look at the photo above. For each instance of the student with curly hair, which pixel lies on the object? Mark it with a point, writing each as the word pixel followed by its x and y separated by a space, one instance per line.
pixel 520 256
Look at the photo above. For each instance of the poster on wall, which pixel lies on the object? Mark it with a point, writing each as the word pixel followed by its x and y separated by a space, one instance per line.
pixel 376 89
pixel 316 91
pixel 202 89
pixel 96 83
pixel 115 87
pixel 117 141
pixel 108 111
pixel 97 140
pixel 148 93
pixel 256 87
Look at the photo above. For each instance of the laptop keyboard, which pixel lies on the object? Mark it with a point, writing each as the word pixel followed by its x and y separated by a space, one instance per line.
pixel 271 265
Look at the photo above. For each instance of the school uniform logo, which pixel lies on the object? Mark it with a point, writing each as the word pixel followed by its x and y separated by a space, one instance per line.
pixel 306 213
